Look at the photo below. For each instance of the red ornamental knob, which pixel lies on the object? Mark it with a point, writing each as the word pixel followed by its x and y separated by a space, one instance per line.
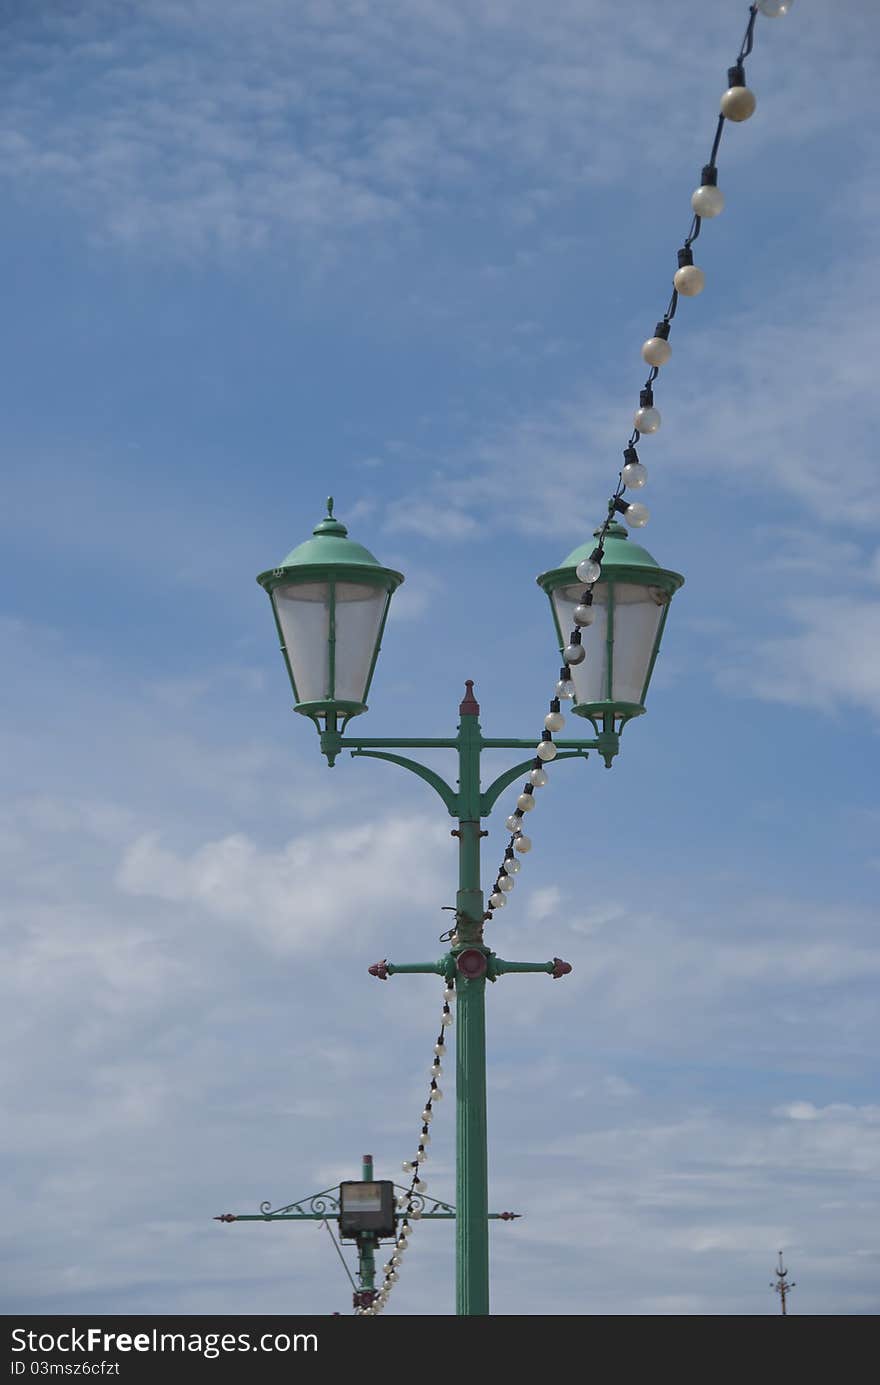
pixel 560 968
pixel 472 963
pixel 379 969
pixel 227 1216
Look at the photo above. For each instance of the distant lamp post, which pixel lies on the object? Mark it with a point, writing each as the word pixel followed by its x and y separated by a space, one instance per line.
pixel 330 597
pixel 782 1286
pixel 620 630
pixel 364 1212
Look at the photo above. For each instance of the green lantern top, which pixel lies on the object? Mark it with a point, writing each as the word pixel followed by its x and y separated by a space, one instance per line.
pixel 329 545
pixel 619 553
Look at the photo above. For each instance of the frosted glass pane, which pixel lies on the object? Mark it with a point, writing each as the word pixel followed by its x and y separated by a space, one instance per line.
pixel 303 612
pixel 637 618
pixel 590 678
pixel 359 611
pixel 637 614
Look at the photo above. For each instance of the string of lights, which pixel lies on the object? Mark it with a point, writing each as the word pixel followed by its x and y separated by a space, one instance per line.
pixel 408 1203
pixel 737 104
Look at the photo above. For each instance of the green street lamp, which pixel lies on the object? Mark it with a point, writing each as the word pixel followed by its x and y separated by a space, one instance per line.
pixel 330 599
pixel 629 608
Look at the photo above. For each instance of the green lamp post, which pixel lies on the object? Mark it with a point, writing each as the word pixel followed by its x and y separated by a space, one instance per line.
pixel 330 597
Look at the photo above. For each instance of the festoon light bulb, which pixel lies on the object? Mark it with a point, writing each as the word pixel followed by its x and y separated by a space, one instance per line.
pixel 583 615
pixel 738 102
pixel 513 823
pixel 775 9
pixel 497 900
pixel 708 200
pixel 574 651
pixel 646 418
pixel 511 864
pixel 634 514
pixel 656 350
pixel 565 687
pixel 633 475
pixel 688 279
pixel 506 883
pixel 523 845
pixel 554 720
pixel 526 802
pixel 588 571
pixel 545 749
pixel 537 777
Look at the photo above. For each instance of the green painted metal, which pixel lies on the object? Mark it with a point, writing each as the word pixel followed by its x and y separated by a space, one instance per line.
pixel 489 797
pixel 498 966
pixel 414 968
pixel 446 792
pixel 472 1193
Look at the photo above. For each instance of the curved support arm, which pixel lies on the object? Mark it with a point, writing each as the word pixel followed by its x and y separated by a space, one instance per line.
pixel 446 792
pixel 489 797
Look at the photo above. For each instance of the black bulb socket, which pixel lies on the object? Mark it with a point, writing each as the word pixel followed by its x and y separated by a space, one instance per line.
pixel 662 330
pixel 620 505
pixel 685 256
pixel 630 456
pixel 646 396
pixel 736 75
pixel 564 676
pixel 554 704
pixel 709 176
pixel 574 637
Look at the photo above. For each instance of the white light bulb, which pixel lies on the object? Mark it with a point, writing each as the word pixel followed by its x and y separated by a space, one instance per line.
pixel 416 1213
pixel 583 615
pixel 738 103
pixel 634 476
pixel 656 351
pixel 427 1116
pixel 396 1260
pixel 512 865
pixel 497 900
pixel 407 1166
pixel 588 571
pixel 775 9
pixel 522 845
pixel 513 823
pixel 689 280
pixel 449 993
pixel 637 516
pixel 420 1185
pixel 424 1139
pixel 545 750
pixel 554 721
pixel 436 1094
pixel 537 778
pixel 423 1154
pixel 446 1018
pixel 646 420
pixel 526 802
pixel 439 1048
pixel 394 1276
pixel 575 654
pixel 565 689
pixel 707 201
pixel 506 884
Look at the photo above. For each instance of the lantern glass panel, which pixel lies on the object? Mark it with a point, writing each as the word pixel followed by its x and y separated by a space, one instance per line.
pixel 636 612
pixel 303 610
pixel 359 612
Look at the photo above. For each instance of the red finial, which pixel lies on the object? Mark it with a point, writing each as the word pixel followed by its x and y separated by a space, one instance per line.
pixel 560 968
pixel 227 1216
pixel 379 969
pixel 470 707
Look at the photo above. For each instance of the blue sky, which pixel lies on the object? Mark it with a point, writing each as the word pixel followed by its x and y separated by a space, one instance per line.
pixel 407 254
